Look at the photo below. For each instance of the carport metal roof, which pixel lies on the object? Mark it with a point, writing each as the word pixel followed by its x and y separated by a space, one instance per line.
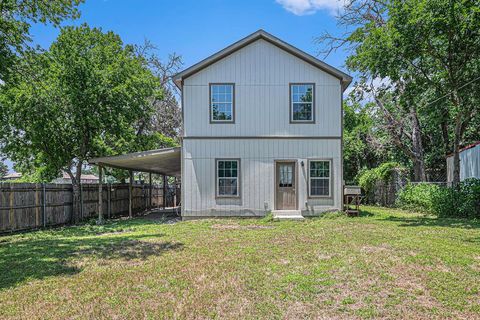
pixel 163 161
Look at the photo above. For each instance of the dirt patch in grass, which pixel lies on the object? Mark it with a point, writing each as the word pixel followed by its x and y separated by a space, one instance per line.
pixel 240 227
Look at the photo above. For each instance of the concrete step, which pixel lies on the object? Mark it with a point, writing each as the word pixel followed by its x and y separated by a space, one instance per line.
pixel 287 215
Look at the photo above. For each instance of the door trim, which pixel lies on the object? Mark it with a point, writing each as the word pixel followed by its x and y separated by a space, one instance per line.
pixel 295 170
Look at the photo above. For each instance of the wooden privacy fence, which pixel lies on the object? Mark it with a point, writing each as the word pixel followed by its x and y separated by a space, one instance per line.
pixel 25 206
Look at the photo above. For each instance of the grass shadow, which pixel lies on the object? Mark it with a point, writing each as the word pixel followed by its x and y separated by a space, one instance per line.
pixel 434 222
pixel 365 213
pixel 474 240
pixel 38 255
pixel 423 220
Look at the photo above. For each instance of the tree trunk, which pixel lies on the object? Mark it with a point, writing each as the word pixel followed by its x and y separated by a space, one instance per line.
pixel 419 170
pixel 446 139
pixel 417 146
pixel 456 159
pixel 76 202
pixel 100 195
pixel 460 123
pixel 77 197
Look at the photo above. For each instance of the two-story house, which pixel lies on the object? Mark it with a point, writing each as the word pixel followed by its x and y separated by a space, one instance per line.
pixel 262 131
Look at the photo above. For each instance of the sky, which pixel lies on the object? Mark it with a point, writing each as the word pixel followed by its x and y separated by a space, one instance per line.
pixel 197 29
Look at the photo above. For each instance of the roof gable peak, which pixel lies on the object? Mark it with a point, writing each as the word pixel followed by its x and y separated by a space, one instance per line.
pixel 262 34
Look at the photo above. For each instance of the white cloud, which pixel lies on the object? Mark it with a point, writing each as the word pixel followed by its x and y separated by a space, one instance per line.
pixel 304 7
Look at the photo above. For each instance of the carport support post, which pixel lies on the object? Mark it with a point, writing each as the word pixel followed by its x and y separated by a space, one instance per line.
pixel 130 184
pixel 164 192
pixel 149 190
pixel 100 197
pixel 175 193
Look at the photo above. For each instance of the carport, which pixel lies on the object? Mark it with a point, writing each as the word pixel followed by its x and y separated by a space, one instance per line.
pixel 166 162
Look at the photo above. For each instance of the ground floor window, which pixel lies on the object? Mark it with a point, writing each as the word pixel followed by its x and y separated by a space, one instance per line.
pixel 319 178
pixel 228 177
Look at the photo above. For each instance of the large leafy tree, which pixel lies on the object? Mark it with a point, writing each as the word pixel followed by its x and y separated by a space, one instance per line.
pixel 82 98
pixel 161 127
pixel 443 51
pixel 15 19
pixel 428 51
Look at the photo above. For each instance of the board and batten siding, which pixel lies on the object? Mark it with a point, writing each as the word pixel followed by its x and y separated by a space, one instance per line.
pixel 257 175
pixel 262 132
pixel 262 74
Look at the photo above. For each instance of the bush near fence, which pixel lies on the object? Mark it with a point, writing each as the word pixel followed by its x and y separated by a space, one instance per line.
pixel 26 206
pixel 382 184
pixel 462 201
pixel 418 197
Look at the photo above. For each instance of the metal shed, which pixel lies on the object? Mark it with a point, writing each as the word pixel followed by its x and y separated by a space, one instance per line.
pixel 469 163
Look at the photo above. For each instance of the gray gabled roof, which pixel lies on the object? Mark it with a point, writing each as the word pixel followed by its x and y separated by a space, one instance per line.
pixel 261 34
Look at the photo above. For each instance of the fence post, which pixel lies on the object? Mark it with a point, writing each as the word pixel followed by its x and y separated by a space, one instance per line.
pixel 144 195
pixel 150 190
pixel 164 192
pixel 81 204
pixel 109 197
pixel 175 193
pixel 100 198
pixel 130 184
pixel 37 206
pixel 12 208
pixel 44 205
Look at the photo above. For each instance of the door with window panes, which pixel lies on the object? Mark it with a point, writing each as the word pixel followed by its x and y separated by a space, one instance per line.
pixel 286 198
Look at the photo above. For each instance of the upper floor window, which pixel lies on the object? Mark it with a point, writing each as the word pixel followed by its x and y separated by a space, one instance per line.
pixel 222 102
pixel 301 102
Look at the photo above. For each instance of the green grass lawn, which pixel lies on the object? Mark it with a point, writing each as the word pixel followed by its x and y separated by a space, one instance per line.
pixel 384 264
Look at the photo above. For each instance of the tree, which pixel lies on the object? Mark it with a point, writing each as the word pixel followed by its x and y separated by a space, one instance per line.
pixel 3 169
pixel 359 148
pixel 440 42
pixel 15 19
pixel 167 117
pixel 80 99
pixel 401 120
pixel 428 48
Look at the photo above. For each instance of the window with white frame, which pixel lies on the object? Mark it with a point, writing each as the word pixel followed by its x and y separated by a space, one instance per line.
pixel 301 102
pixel 222 102
pixel 228 178
pixel 320 178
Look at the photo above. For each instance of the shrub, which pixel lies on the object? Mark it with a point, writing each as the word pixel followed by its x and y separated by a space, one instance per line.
pixel 460 202
pixel 470 205
pixel 368 178
pixel 417 197
pixel 380 183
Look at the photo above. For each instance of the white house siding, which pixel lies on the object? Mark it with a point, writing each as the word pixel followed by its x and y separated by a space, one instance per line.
pixel 262 73
pixel 257 170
